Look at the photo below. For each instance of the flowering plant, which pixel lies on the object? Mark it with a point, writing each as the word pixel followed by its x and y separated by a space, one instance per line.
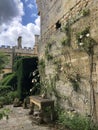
pixel 35 85
pixel 85 41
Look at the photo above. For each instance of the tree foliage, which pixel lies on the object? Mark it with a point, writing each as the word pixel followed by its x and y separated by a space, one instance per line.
pixel 3 61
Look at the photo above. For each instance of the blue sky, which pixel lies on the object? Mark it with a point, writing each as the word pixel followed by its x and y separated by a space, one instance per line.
pixel 30 10
pixel 18 18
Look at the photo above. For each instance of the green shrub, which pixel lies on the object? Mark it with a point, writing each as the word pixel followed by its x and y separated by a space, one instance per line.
pixel 8 98
pixel 75 122
pixel 12 95
pixel 10 79
pixel 5 100
pixel 2 100
pixel 4 112
pixel 6 74
pixel 4 90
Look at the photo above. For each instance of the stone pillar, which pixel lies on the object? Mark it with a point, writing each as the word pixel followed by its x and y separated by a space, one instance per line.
pixel 19 40
pixel 36 44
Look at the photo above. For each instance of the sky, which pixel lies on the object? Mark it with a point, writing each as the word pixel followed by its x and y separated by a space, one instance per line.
pixel 18 18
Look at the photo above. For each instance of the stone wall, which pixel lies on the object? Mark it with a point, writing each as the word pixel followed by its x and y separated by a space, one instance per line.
pixel 77 15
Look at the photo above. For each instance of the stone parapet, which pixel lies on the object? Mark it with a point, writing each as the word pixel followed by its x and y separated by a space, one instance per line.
pixel 8 49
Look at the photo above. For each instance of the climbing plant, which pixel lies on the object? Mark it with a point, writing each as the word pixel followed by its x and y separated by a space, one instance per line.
pixel 67 30
pixel 48 54
pixel 85 12
pixel 87 43
pixel 72 74
pixel 41 67
pixel 49 87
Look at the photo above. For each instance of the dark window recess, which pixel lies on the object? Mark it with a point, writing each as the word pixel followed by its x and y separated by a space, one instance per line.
pixel 39 13
pixel 58 25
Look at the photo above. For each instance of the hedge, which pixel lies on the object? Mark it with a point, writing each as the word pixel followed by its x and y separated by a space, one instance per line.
pixel 24 68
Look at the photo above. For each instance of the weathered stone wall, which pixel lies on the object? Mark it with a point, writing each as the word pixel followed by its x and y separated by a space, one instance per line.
pixel 80 14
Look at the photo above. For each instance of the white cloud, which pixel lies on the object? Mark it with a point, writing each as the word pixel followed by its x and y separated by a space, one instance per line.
pixel 9 31
pixel 37 21
pixel 15 29
pixel 34 15
pixel 30 6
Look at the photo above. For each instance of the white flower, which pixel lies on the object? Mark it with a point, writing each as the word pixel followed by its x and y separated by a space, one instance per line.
pixel 32 80
pixel 38 75
pixel 87 35
pixel 33 73
pixel 81 36
pixel 31 90
pixel 56 72
pixel 76 80
pixel 61 68
pixel 81 43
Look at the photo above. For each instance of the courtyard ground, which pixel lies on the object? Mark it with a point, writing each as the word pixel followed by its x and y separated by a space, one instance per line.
pixel 19 119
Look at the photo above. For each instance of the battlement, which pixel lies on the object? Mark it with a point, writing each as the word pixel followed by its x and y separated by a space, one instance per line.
pixel 15 49
pixel 5 47
pixel 19 50
pixel 11 47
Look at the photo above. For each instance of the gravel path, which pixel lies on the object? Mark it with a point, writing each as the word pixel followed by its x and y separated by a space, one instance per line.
pixel 20 120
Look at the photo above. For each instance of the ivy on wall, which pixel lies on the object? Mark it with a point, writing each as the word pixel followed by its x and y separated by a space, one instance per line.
pixel 47 51
pixel 24 68
pixel 41 67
